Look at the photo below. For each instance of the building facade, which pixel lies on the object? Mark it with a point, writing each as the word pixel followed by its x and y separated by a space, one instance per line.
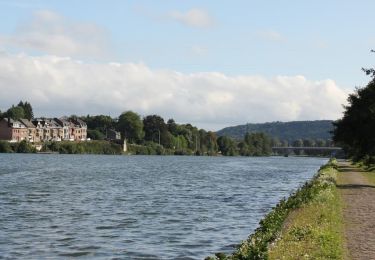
pixel 43 129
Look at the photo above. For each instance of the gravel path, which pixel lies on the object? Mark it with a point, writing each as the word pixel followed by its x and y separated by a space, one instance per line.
pixel 358 195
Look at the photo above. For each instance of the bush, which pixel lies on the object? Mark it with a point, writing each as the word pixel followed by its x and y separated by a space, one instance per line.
pixel 5 147
pixel 25 147
pixel 92 147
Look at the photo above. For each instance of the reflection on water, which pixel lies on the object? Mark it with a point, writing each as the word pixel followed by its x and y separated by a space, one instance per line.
pixel 140 207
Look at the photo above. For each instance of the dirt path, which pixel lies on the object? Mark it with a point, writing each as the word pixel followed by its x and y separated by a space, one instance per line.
pixel 359 212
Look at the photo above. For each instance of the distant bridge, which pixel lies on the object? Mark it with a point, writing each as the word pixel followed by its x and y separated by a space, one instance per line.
pixel 287 150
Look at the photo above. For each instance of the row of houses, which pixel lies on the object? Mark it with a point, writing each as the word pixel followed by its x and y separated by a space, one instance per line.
pixel 43 129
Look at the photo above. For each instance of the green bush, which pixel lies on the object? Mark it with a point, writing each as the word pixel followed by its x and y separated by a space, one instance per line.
pixel 5 147
pixel 89 147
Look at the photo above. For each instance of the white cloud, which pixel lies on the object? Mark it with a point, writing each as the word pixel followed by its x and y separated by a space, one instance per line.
pixel 57 86
pixel 50 33
pixel 193 17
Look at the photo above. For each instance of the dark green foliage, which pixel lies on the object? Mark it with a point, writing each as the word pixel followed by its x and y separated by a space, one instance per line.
pixel 21 147
pixel 15 113
pixel 27 108
pixel 100 122
pixel 227 146
pixel 130 126
pixel 289 131
pixel 355 131
pixel 22 110
pixel 24 147
pixel 95 134
pixel 258 144
pixel 5 147
pixel 149 148
pixel 92 147
pixel 156 129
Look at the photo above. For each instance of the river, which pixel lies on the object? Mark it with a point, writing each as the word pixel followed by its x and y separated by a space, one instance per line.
pixel 138 207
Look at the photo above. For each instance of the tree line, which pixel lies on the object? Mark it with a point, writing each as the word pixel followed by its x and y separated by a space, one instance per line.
pixel 153 135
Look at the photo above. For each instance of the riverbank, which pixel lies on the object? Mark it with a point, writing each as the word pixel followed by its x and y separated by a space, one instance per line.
pixel 333 218
pixel 307 224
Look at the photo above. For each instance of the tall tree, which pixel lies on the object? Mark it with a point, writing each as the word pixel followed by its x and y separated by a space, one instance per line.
pixel 155 128
pixel 227 145
pixel 355 130
pixel 28 109
pixel 15 112
pixel 131 126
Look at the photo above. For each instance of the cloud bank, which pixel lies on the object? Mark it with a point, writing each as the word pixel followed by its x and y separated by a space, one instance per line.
pixel 57 86
pixel 50 33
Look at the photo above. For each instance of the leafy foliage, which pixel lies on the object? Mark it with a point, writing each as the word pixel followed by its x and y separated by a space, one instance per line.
pixel 355 131
pixel 27 108
pixel 92 147
pixel 15 113
pixel 131 126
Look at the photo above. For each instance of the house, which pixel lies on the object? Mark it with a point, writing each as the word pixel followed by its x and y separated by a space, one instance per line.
pixel 43 129
pixel 65 124
pixel 113 135
pixel 47 129
pixel 78 130
pixel 13 130
pixel 31 129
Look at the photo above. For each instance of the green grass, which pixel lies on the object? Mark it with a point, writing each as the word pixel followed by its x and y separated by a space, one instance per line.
pixel 370 176
pixel 369 169
pixel 314 231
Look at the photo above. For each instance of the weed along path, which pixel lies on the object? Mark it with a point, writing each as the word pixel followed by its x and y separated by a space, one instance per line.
pixel 358 195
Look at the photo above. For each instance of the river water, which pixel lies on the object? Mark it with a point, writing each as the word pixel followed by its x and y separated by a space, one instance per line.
pixel 138 207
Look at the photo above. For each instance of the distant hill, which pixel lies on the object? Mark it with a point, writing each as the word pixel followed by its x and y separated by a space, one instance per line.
pixel 290 131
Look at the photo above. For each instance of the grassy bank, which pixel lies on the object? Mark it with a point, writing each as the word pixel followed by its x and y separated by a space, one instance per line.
pixel 21 147
pixel 306 225
pixel 91 147
pixel 315 230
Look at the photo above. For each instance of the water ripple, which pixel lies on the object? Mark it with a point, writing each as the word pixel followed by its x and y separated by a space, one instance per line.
pixel 118 207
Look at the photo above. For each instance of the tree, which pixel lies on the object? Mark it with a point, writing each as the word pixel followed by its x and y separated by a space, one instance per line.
pixel 95 134
pixel 155 128
pixel 131 126
pixel 227 146
pixel 355 130
pixel 99 122
pixel 172 127
pixel 28 110
pixel 259 144
pixel 15 113
pixel 298 143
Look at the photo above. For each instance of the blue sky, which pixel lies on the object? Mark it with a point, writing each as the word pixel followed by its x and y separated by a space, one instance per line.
pixel 318 40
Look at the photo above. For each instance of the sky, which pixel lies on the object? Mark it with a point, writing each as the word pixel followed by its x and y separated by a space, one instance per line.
pixel 209 63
